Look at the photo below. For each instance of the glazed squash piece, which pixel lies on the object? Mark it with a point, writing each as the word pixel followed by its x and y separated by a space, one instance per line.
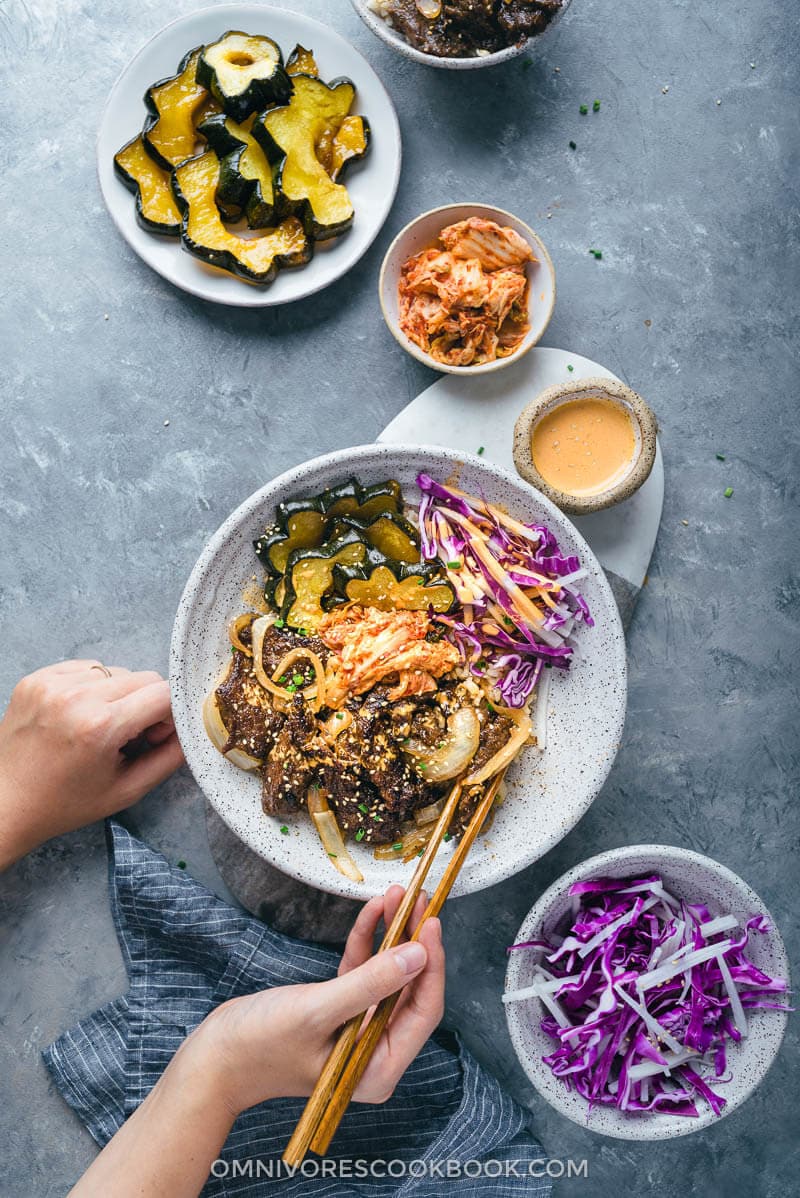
pixel 244 72
pixel 245 174
pixel 302 62
pixel 391 588
pixel 309 577
pixel 290 136
pixel 173 106
pixel 203 234
pixel 302 529
pixel 156 209
pixel 349 143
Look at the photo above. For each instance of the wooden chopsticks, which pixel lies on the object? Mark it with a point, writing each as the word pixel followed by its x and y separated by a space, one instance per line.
pixel 350 1055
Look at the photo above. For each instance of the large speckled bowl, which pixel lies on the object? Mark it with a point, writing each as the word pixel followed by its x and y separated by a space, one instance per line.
pixel 547 793
pixel 689 876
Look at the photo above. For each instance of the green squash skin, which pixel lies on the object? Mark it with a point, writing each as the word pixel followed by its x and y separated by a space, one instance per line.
pixel 132 186
pixel 153 113
pixel 228 261
pixel 236 194
pixel 303 209
pixel 260 92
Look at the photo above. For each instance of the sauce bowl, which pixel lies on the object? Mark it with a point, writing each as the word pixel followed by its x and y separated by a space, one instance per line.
pixel 632 471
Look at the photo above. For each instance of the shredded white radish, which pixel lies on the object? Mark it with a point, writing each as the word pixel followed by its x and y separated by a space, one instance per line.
pixel 737 1010
pixel 539 721
pixel 652 1024
pixel 656 976
pixel 723 923
pixel 638 1073
pixel 547 986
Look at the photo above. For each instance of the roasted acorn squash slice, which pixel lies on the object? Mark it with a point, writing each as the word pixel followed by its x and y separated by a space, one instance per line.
pixel 194 184
pixel 351 142
pixel 173 106
pixel 245 173
pixel 309 577
pixel 389 588
pixel 244 72
pixel 290 136
pixel 302 62
pixel 301 529
pixel 156 209
pixel 389 533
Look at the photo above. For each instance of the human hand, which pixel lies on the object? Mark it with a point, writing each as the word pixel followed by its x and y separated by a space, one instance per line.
pixel 76 746
pixel 275 1043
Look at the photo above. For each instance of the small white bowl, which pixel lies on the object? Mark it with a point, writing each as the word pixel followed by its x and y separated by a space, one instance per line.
pixel 393 38
pixel 422 233
pixel 689 876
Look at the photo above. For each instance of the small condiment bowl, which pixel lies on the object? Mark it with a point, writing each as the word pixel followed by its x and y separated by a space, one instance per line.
pixel 392 37
pixel 421 234
pixel 693 878
pixel 645 430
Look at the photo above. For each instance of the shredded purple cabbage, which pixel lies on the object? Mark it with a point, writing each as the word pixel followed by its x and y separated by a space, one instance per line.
pixel 508 650
pixel 597 993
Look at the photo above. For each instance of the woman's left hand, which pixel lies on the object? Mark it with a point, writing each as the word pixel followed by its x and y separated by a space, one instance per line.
pixel 78 742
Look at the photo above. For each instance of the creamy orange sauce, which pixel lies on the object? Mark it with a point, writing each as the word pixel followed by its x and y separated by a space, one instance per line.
pixel 584 446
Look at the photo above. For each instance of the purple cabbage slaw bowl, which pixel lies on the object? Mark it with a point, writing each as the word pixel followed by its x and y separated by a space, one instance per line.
pixel 693 878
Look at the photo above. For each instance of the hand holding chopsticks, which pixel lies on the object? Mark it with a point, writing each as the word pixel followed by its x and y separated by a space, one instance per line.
pixel 350 1056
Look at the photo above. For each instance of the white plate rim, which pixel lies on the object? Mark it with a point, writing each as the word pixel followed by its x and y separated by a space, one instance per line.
pixel 348 459
pixel 251 296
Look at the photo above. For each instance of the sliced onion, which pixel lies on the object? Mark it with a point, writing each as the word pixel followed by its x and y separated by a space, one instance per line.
pixel 503 757
pixel 235 629
pixel 459 747
pixel 218 735
pixel 331 836
pixel 429 814
pixel 430 9
pixel 337 723
pixel 315 692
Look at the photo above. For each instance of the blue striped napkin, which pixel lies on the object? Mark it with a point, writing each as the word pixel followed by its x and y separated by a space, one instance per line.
pixel 448 1124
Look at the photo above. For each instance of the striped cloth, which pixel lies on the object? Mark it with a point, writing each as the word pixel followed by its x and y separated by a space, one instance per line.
pixel 186 951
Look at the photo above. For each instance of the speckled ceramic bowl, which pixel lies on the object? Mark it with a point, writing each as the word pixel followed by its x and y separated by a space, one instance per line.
pixel 382 29
pixel 422 233
pixel 547 793
pixel 689 876
pixel 645 432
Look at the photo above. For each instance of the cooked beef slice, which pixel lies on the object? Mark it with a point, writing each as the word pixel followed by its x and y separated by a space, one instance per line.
pixel 466 26
pixel 293 762
pixel 251 721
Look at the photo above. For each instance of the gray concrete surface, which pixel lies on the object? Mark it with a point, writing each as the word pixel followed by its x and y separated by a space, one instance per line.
pixel 690 193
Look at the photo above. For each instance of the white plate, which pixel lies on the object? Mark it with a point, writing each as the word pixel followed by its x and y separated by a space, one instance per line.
pixel 466 413
pixel 547 793
pixel 372 183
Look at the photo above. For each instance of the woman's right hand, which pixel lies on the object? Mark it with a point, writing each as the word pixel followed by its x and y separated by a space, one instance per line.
pixel 275 1043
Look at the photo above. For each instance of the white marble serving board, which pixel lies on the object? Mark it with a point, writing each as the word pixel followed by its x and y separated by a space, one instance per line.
pixel 469 412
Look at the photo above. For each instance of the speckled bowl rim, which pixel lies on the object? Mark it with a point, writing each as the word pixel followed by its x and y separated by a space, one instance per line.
pixel 617 863
pixel 391 37
pixel 555 396
pixel 348 459
pixel 493 212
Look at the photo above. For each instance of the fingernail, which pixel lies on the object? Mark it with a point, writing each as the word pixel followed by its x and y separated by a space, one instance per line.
pixel 411 956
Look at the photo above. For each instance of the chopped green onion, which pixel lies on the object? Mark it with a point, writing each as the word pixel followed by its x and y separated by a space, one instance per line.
pixel 181 864
pixel 284 830
pixel 291 688
pixel 397 846
pixel 481 450
pixel 583 110
pixel 447 836
pixel 360 834
pixel 363 808
pixel 573 145
pixel 720 457
pixel 279 623
pixel 298 679
pixel 340 715
pixel 570 369
pixel 728 492
pixel 454 565
pixel 421 766
pixel 596 106
pixel 598 254
pixel 332 855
